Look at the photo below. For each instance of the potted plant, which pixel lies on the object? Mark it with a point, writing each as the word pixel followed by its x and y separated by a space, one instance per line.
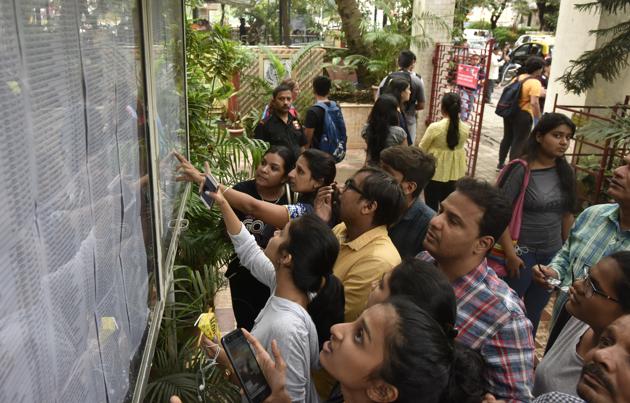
pixel 235 126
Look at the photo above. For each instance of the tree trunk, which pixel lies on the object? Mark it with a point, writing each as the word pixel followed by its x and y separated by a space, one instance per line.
pixel 351 18
pixel 285 24
pixel 542 9
pixel 496 14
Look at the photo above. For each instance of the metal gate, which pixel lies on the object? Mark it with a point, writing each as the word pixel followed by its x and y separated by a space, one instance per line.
pixel 446 59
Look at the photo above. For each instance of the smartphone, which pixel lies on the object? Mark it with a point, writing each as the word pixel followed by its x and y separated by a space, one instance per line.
pixel 245 366
pixel 209 185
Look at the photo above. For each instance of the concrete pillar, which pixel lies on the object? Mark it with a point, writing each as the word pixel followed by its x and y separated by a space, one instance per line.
pixel 573 27
pixel 445 9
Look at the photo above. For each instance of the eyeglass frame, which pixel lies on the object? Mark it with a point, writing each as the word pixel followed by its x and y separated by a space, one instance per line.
pixel 349 184
pixel 591 290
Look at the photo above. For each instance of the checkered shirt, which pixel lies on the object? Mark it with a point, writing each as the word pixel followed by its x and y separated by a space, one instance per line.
pixel 491 320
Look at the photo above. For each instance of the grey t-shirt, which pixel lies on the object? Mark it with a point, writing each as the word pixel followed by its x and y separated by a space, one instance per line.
pixel 543 208
pixel 560 368
pixel 284 321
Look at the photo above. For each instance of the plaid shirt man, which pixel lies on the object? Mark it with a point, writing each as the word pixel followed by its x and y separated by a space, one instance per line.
pixel 491 320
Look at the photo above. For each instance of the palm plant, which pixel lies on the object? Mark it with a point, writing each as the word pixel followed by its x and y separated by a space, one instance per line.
pixel 385 45
pixel 203 248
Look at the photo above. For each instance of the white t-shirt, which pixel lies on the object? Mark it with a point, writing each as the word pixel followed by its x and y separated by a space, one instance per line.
pixel 282 320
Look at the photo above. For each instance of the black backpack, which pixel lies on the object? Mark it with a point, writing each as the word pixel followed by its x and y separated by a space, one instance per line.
pixel 508 103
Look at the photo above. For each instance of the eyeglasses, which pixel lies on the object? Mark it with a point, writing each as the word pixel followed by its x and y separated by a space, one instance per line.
pixel 349 184
pixel 591 289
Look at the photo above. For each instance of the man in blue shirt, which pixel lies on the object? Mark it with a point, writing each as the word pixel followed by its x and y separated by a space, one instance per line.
pixel 412 169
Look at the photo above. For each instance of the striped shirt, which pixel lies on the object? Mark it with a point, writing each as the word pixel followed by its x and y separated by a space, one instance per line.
pixel 491 320
pixel 596 233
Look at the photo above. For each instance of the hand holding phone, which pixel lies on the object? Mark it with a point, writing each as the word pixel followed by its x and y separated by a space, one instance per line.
pixel 210 184
pixel 245 366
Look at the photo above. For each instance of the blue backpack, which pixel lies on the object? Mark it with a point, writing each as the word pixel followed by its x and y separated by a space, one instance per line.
pixel 508 103
pixel 333 139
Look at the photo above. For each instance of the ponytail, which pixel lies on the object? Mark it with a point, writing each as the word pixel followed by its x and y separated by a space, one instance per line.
pixel 327 308
pixel 452 105
pixel 466 382
pixel 314 248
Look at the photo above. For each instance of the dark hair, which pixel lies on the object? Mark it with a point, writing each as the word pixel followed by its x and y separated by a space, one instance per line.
pixel 623 286
pixel 452 105
pixel 421 361
pixel 321 85
pixel 534 63
pixel 322 167
pixel 287 155
pixel 414 165
pixel 279 89
pixel 406 59
pixel 531 149
pixel 382 188
pixel 314 249
pixel 497 210
pixel 384 114
pixel 428 287
pixel 396 87
pixel 467 383
pixel 289 82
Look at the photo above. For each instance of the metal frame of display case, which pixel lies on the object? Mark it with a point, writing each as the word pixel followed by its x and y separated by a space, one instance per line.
pixel 164 265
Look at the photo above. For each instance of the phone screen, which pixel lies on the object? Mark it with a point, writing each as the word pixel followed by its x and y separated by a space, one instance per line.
pixel 246 367
pixel 209 185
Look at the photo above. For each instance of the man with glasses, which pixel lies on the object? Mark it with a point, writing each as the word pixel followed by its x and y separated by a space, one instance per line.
pixel 595 301
pixel 369 202
pixel 598 231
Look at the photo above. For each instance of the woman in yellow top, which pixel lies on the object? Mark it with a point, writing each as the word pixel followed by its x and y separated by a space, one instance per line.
pixel 445 140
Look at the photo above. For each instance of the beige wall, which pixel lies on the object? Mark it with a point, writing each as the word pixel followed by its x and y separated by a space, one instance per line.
pixel 355 116
pixel 572 39
pixel 424 64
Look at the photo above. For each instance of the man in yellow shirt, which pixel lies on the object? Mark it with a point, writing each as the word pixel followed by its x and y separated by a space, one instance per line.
pixel 369 202
pixel 516 128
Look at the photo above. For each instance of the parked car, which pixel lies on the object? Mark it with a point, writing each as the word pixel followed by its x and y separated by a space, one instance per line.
pixel 523 52
pixel 534 37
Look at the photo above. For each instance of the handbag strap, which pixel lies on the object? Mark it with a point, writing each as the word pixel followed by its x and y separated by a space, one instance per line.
pixel 517 209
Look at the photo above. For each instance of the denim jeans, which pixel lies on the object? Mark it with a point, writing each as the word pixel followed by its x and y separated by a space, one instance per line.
pixel 534 296
pixel 468 97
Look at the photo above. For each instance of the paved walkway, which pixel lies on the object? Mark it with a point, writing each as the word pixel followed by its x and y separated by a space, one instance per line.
pixel 491 134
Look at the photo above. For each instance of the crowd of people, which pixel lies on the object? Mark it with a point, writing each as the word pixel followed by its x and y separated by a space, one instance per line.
pixel 367 292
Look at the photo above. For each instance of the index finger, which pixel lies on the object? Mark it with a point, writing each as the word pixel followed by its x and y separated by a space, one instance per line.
pixel 179 157
pixel 258 348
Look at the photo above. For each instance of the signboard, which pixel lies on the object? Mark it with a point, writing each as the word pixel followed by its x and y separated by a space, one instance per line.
pixel 467 76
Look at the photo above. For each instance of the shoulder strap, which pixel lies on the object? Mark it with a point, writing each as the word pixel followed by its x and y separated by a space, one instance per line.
pixel 517 210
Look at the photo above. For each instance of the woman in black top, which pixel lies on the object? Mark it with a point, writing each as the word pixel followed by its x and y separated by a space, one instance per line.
pixel 269 184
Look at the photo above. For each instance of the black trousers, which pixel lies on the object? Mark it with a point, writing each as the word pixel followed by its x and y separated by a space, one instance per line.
pixel 436 191
pixel 515 131
pixel 248 296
